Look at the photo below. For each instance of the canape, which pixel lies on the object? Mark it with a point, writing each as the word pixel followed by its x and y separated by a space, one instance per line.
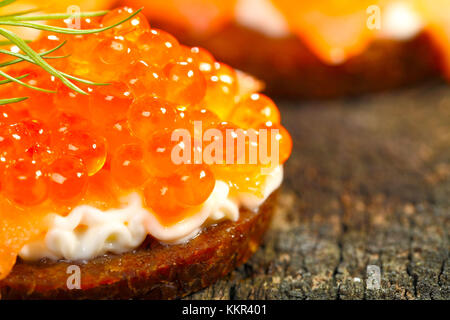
pixel 154 179
pixel 316 49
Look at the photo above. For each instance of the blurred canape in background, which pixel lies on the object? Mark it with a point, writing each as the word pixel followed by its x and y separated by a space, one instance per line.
pixel 321 48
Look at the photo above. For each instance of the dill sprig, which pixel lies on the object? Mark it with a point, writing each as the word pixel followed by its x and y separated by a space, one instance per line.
pixel 25 19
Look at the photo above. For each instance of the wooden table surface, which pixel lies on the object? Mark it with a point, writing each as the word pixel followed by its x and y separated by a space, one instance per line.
pixel 367 189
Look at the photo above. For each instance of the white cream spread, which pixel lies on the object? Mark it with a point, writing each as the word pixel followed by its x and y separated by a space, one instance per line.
pixel 398 19
pixel 87 232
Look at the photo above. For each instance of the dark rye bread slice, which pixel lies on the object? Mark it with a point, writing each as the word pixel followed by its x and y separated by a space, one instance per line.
pixel 290 69
pixel 154 271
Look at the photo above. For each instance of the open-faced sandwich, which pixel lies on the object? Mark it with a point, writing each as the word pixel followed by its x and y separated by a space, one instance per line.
pixel 149 170
pixel 322 48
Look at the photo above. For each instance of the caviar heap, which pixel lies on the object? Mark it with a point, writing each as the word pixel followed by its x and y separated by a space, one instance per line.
pixel 62 149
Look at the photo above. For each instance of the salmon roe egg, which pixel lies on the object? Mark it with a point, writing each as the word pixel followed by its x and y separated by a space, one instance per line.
pixel 186 85
pixel 61 122
pixel 199 120
pixel 158 47
pixel 158 153
pixel 7 149
pixel 283 139
pixel 144 79
pixel 194 184
pixel 25 183
pixel 197 56
pixel 130 28
pixel 117 135
pixel 230 134
pixel 254 110
pixel 221 89
pixel 249 182
pixel 8 115
pixel 127 166
pixel 161 197
pixel 102 191
pixel 31 136
pixel 67 179
pixel 149 114
pixel 81 49
pixel 39 104
pixel 47 42
pixel 207 118
pixel 71 101
pixel 7 146
pixel 116 51
pixel 109 104
pixel 169 197
pixel 87 146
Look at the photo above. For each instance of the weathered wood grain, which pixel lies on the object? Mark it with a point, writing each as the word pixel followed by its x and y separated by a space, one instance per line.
pixel 368 185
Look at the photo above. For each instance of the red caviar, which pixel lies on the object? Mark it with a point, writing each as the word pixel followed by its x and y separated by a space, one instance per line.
pixel 161 197
pixel 194 184
pixel 68 179
pixel 145 79
pixel 25 183
pixel 128 167
pixel 130 29
pixel 85 145
pixel 222 88
pixel 59 150
pixel 158 153
pixel 185 83
pixel 110 104
pixel 149 114
pixel 158 47
pixel 198 56
pixel 254 110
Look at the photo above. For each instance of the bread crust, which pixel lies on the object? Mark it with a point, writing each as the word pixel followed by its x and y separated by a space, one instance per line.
pixel 153 271
pixel 290 69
